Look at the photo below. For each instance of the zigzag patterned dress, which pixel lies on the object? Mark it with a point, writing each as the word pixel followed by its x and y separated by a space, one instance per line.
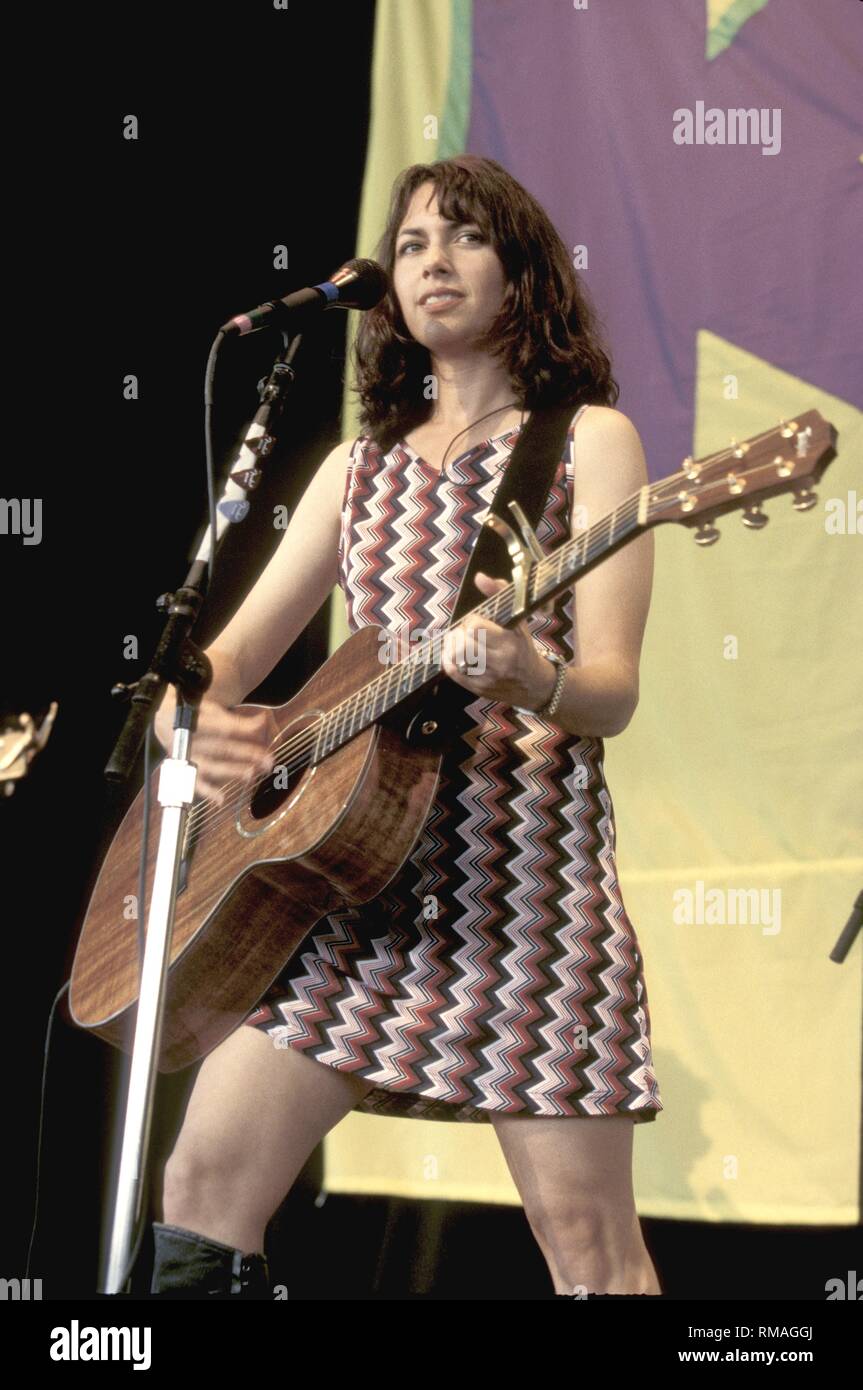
pixel 498 972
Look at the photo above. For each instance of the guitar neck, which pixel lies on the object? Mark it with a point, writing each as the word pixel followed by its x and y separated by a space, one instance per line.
pixel 786 458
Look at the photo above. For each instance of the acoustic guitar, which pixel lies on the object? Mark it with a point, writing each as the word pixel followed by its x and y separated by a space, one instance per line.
pixel 357 760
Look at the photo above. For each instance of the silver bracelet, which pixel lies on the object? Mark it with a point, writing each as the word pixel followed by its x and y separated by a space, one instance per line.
pixel 549 709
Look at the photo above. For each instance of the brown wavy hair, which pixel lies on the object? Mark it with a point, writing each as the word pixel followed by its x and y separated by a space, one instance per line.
pixel 547 331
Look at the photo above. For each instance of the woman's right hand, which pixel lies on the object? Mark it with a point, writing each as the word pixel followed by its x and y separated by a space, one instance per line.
pixel 228 745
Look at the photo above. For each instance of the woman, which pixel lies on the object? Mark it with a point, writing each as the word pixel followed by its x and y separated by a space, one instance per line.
pixel 519 999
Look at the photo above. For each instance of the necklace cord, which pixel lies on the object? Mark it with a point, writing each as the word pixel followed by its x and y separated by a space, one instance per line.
pixel 496 411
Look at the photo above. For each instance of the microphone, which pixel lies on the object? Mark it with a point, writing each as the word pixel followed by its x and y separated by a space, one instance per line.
pixel 358 284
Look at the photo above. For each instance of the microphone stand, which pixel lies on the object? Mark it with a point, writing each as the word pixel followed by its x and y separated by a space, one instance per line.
pixel 178 661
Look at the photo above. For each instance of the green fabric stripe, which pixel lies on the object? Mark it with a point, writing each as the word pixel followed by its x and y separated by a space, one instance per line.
pixel 725 30
pixel 456 111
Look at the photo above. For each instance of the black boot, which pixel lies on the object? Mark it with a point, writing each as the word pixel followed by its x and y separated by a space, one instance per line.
pixel 189 1265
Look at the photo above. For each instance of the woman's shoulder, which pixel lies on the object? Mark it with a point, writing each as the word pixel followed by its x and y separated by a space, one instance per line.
pixel 605 435
pixel 605 420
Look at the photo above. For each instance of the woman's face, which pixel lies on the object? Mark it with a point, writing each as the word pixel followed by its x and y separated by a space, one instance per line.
pixel 433 255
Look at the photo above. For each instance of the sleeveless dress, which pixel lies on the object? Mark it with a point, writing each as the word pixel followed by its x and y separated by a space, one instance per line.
pixel 498 971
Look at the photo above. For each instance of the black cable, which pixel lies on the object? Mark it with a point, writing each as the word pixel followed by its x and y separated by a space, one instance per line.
pixel 57 997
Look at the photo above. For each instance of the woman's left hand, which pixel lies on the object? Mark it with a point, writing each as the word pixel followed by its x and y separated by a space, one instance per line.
pixel 502 663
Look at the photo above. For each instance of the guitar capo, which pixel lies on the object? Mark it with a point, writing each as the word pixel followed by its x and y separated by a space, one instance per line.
pixel 518 554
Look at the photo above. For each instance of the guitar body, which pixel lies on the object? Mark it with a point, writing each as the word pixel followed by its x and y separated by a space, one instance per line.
pixel 257 873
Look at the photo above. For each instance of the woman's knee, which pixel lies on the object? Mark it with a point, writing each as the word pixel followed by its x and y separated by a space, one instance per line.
pixel 577 1222
pixel 229 1203
pixel 197 1176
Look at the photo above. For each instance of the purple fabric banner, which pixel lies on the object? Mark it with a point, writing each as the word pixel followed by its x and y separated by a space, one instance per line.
pixel 757 241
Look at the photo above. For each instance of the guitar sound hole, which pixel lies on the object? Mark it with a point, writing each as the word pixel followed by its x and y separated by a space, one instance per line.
pixel 269 796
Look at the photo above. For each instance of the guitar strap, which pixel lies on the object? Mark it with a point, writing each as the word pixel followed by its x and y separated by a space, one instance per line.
pixel 527 479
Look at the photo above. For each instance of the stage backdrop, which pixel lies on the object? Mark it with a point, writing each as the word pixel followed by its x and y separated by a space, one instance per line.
pixel 726 277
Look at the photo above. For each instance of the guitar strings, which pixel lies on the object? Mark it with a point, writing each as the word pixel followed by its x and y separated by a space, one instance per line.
pixel 207 812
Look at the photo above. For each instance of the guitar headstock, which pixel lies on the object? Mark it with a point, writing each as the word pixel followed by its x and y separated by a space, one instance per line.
pixel 788 458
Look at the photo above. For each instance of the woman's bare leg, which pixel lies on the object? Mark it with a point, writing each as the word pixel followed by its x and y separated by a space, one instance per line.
pixel 255 1114
pixel 574 1177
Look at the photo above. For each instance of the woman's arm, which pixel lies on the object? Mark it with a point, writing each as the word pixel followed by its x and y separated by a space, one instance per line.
pixel 610 610
pixel 297 580
pixel 300 576
pixel 612 600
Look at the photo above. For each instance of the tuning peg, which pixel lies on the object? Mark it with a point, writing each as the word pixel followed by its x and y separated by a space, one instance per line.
pixel 754 517
pixel 706 534
pixel 804 498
